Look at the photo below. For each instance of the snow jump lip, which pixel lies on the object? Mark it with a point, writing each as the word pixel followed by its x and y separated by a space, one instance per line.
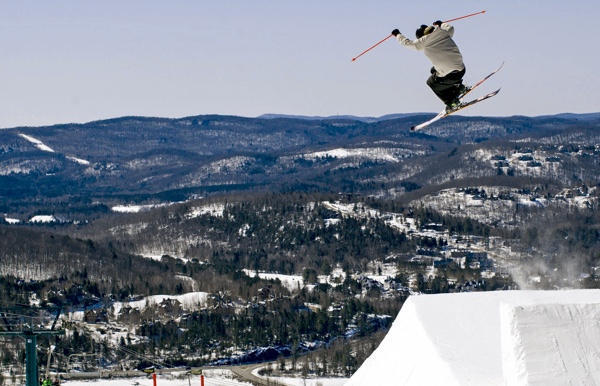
pixel 491 338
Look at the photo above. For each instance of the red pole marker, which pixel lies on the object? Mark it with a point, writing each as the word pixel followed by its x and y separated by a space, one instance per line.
pixel 447 21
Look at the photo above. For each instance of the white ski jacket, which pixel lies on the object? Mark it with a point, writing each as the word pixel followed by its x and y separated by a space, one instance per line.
pixel 439 47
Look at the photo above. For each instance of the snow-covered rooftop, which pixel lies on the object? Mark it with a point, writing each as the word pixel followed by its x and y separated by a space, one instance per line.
pixel 490 338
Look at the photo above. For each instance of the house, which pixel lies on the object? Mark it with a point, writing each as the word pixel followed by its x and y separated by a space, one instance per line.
pixel 458 254
pixel 335 310
pixel 476 256
pixel 170 307
pixel 368 283
pixel 442 263
pixel 459 257
pixel 95 316
pixel 265 292
pixel 480 260
pixel 129 315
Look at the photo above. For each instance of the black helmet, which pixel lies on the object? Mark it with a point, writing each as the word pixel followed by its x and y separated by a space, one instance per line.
pixel 423 30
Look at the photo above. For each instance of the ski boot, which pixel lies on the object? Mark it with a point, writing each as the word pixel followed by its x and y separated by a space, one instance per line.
pixel 463 90
pixel 453 106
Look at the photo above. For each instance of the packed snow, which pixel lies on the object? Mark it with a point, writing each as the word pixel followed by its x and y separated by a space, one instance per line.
pixel 78 160
pixel 43 147
pixel 291 282
pixel 39 144
pixel 42 219
pixel 189 301
pixel 211 378
pixel 383 154
pixel 294 282
pixel 211 209
pixel 490 338
pixel 136 208
pixel 288 381
pixel 310 382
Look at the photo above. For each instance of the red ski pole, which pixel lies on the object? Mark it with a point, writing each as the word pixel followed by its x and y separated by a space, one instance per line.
pixel 387 37
pixel 464 17
pixel 369 49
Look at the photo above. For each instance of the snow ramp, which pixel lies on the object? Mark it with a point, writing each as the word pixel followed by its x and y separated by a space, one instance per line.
pixel 490 338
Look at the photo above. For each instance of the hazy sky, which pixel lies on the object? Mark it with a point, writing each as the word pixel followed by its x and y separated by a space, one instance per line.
pixel 83 60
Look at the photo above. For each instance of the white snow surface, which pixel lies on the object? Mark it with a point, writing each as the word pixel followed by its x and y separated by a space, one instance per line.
pixel 211 378
pixel 136 208
pixel 39 144
pixel 299 381
pixel 292 282
pixel 212 209
pixel 189 301
pixel 79 160
pixel 42 219
pixel 306 382
pixel 43 147
pixel 383 154
pixel 490 338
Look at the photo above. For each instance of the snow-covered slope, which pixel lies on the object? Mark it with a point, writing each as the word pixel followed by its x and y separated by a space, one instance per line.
pixel 189 301
pixel 490 338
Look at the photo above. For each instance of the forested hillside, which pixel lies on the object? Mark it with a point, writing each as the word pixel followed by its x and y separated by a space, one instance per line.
pixel 298 234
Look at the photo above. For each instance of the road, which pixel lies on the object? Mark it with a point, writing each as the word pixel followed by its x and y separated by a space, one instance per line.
pixel 245 373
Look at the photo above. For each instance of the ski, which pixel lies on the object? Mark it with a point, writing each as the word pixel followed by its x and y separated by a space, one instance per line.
pixel 444 114
pixel 481 81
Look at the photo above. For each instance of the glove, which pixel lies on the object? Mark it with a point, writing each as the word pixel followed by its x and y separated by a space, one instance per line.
pixel 395 32
pixel 437 23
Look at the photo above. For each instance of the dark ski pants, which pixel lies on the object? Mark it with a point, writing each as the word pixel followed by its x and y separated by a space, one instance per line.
pixel 447 87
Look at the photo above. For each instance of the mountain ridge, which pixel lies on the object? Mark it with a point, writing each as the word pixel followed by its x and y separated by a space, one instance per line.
pixel 145 157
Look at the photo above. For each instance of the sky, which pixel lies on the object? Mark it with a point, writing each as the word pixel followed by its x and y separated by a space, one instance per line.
pixel 78 61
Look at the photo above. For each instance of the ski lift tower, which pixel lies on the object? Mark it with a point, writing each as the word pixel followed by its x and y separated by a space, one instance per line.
pixel 29 323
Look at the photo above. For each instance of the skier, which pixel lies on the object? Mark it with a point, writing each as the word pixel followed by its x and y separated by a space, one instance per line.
pixel 448 68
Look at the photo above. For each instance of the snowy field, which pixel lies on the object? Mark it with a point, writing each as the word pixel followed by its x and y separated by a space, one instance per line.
pixel 291 282
pixel 41 146
pixel 295 282
pixel 207 382
pixel 310 382
pixel 189 301
pixel 211 378
pixel 160 382
pixel 217 380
